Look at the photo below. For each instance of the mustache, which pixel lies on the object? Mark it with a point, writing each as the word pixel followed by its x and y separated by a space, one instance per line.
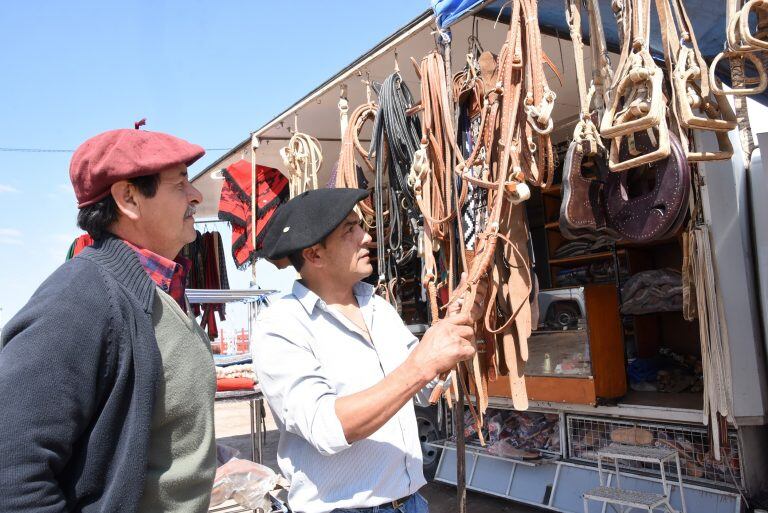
pixel 191 211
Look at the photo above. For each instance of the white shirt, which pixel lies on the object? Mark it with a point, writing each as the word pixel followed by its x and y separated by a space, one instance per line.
pixel 306 355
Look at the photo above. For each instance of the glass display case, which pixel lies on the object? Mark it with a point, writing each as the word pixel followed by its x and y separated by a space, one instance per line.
pixel 560 345
pixel 576 354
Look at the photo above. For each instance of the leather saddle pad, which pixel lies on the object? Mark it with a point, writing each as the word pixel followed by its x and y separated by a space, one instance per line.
pixel 582 211
pixel 649 203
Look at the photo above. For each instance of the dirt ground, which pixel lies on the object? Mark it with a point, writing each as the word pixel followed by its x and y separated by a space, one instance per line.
pixel 233 429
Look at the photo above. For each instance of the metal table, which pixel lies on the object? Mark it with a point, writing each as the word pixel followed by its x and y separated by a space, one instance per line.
pixel 256 402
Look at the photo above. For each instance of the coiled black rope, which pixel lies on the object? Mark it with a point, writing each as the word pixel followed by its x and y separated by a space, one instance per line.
pixel 396 137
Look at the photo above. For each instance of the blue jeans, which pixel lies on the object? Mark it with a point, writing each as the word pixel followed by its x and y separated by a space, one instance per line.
pixel 415 504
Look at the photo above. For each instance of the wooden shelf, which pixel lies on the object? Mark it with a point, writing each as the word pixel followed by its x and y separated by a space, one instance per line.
pixel 581 259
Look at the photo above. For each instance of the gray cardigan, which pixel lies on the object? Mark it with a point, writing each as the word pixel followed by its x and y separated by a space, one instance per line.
pixel 78 369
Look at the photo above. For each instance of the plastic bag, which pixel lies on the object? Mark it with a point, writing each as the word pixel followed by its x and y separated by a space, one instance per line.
pixel 224 453
pixel 245 482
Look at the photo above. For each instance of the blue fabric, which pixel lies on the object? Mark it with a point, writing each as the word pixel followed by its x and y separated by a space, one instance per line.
pixel 415 504
pixel 449 11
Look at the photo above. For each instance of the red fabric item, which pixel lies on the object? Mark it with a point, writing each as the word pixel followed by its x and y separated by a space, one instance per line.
pixel 212 281
pixel 122 154
pixel 81 243
pixel 235 206
pixel 229 384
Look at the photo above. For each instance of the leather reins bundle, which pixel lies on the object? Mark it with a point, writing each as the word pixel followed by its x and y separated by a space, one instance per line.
pixel 513 149
pixel 303 158
pixel 702 302
pixel 434 187
pixel 430 177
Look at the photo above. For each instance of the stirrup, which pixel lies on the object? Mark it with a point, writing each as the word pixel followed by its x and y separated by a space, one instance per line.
pixel 752 85
pixel 611 126
pixel 754 41
pixel 661 152
pixel 724 151
pixel 683 81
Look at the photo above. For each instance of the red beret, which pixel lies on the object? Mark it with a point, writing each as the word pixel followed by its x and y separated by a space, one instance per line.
pixel 123 154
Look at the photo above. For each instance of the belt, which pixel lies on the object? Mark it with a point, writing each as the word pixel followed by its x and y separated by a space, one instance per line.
pixel 398 503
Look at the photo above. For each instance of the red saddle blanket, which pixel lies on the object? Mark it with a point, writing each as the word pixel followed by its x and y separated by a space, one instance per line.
pixel 235 206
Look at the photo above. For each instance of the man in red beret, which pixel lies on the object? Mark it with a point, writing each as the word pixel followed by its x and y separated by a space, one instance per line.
pixel 107 384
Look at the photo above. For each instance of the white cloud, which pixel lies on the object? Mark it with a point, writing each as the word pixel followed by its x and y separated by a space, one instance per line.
pixel 61 191
pixel 9 232
pixel 10 237
pixel 7 188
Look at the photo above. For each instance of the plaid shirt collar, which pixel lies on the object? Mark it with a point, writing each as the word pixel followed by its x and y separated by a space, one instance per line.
pixel 169 275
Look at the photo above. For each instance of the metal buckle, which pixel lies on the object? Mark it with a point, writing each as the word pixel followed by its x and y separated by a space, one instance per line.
pixel 400 502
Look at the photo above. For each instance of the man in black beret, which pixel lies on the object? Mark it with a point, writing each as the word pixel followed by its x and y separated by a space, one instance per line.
pixel 339 368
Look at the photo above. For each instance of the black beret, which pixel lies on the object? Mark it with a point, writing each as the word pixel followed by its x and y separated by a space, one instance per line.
pixel 307 219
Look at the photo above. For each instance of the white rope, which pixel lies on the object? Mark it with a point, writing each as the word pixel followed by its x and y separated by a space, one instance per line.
pixel 303 158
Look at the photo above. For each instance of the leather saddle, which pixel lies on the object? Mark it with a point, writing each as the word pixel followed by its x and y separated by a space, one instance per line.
pixel 650 202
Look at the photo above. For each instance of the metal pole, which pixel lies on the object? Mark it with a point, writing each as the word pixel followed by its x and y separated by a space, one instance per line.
pixel 461 454
pixel 254 204
pixel 259 404
pixel 252 405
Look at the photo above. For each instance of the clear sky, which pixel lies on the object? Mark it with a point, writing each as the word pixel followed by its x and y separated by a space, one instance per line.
pixel 210 72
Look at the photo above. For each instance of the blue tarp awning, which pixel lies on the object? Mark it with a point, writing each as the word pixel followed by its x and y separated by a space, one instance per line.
pixel 707 16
